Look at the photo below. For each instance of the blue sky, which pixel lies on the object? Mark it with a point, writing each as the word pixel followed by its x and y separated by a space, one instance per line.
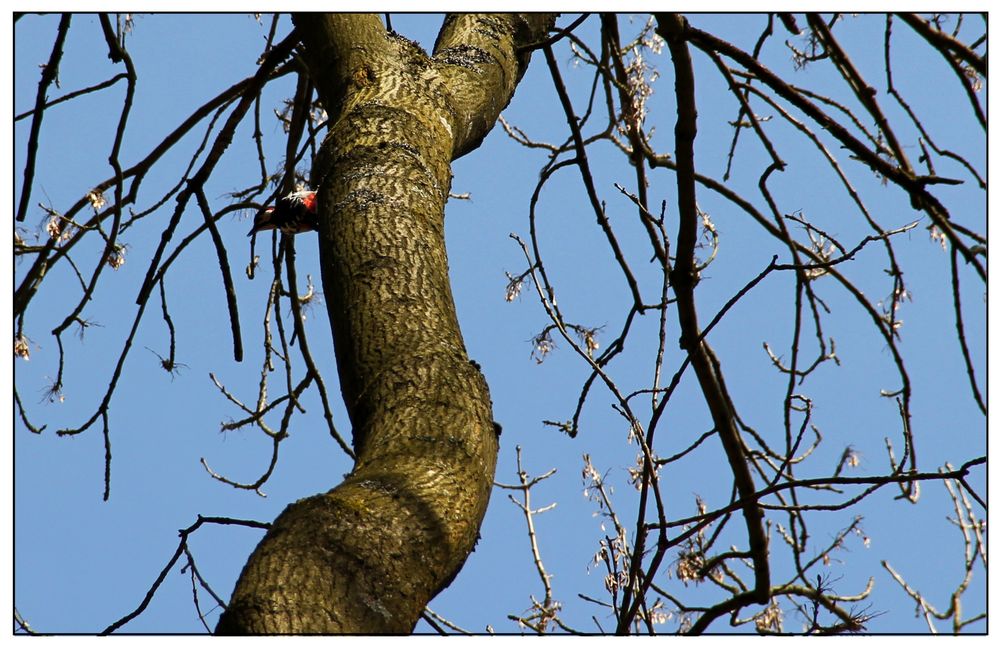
pixel 81 563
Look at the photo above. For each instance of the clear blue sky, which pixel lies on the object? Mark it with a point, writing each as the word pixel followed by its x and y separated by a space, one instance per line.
pixel 81 563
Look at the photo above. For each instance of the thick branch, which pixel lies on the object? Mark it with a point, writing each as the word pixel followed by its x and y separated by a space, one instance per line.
pixel 368 555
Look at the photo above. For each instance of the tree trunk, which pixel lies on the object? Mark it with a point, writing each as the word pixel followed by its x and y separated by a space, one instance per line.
pixel 368 555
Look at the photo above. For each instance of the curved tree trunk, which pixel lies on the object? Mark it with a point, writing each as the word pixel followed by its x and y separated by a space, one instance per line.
pixel 368 555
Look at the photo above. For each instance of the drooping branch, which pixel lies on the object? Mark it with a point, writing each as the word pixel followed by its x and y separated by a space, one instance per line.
pixel 674 30
pixel 915 186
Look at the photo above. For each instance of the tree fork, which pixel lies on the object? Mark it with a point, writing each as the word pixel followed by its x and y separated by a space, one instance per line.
pixel 368 555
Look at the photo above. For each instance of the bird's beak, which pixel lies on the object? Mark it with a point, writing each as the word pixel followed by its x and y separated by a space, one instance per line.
pixel 258 222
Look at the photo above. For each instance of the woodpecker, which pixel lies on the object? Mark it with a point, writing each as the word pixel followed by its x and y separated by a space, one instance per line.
pixel 292 214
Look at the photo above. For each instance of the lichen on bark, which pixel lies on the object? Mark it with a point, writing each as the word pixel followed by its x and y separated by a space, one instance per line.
pixel 368 555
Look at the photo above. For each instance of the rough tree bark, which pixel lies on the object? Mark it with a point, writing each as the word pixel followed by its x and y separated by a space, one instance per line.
pixel 368 555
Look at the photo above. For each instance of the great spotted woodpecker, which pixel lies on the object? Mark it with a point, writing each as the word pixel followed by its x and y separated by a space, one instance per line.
pixel 291 214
